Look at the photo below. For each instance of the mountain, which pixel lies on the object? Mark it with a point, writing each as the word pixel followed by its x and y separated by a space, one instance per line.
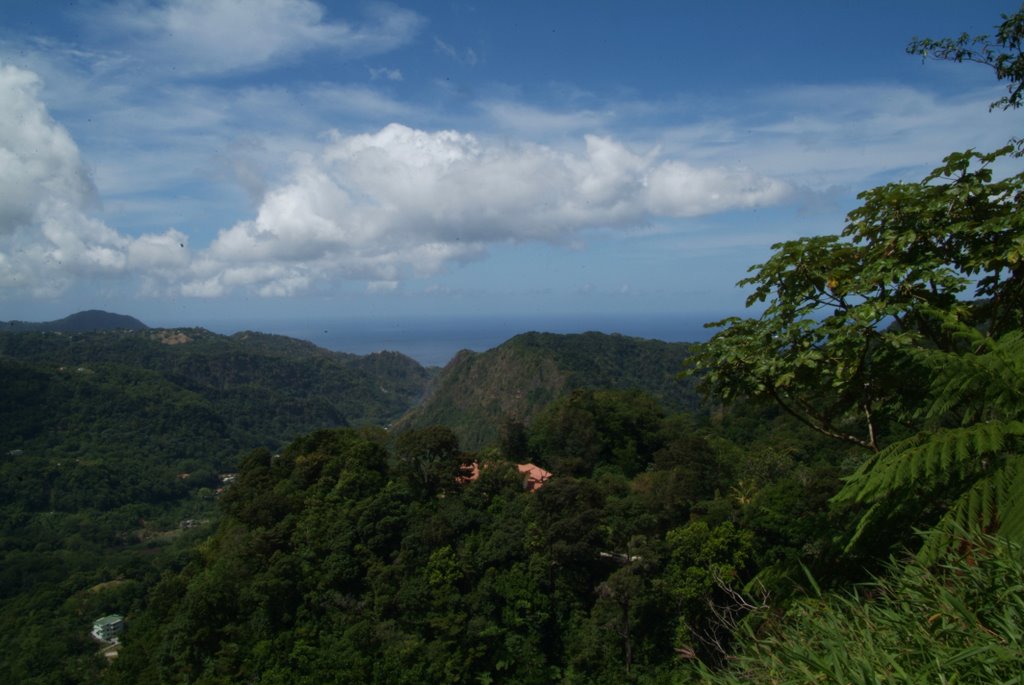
pixel 266 389
pixel 476 393
pixel 91 320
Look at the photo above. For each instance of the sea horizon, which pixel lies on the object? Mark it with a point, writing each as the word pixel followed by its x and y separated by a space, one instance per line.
pixel 435 340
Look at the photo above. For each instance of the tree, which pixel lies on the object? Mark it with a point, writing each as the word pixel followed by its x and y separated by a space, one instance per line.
pixel 925 276
pixel 705 569
pixel 590 428
pixel 842 311
pixel 892 327
pixel 970 447
pixel 1002 53
pixel 430 460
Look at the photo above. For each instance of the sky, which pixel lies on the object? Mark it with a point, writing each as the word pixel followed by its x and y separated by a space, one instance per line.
pixel 189 160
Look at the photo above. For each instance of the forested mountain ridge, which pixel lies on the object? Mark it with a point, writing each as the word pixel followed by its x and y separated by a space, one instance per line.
pixel 267 388
pixel 477 393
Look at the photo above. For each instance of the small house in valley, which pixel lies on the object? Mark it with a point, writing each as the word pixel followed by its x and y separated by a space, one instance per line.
pixel 108 627
pixel 533 476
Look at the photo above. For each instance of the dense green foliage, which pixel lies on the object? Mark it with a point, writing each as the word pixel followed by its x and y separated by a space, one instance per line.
pixel 112 441
pixel 61 571
pixel 99 429
pixel 834 345
pixel 361 556
pixel 969 448
pixel 903 335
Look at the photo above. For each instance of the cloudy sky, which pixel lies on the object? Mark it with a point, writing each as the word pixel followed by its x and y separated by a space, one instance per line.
pixel 183 160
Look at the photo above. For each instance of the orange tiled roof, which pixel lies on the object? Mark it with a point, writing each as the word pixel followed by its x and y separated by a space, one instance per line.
pixel 533 475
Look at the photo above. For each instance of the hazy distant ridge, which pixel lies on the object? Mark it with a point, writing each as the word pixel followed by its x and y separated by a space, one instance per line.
pixel 80 322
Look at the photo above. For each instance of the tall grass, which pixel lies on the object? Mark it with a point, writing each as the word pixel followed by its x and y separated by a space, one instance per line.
pixel 959 621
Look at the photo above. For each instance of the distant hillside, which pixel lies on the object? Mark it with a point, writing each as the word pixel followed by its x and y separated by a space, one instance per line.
pixel 91 320
pixel 251 388
pixel 477 392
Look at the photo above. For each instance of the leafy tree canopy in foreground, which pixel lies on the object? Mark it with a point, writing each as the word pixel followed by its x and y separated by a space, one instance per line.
pixel 905 324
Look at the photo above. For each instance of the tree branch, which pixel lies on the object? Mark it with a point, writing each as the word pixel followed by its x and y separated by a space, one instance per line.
pixel 820 426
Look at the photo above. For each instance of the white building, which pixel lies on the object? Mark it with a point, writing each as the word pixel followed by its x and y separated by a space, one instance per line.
pixel 108 627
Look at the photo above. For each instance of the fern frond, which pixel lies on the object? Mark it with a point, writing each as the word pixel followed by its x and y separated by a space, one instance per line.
pixel 992 504
pixel 864 524
pixel 922 459
pixel 1011 504
pixel 970 439
pixel 993 381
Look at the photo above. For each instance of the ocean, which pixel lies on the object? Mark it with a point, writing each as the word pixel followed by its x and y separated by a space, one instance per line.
pixel 433 341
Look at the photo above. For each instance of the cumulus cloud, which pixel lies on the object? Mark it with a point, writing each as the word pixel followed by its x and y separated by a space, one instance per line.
pixel 215 36
pixel 678 189
pixel 401 201
pixel 379 207
pixel 47 237
pixel 38 158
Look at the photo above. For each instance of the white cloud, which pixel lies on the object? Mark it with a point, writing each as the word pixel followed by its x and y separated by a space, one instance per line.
pixel 400 201
pixel 467 57
pixel 168 250
pixel 385 73
pixel 38 158
pixel 216 36
pixel 382 206
pixel 536 121
pixel 381 286
pixel 841 135
pixel 678 189
pixel 355 101
pixel 47 237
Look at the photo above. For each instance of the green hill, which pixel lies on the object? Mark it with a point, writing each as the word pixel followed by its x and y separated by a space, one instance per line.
pixel 476 393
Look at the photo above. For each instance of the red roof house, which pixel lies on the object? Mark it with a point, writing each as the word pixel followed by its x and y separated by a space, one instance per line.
pixel 533 476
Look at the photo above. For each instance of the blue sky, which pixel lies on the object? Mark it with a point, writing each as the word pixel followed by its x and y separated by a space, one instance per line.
pixel 186 160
